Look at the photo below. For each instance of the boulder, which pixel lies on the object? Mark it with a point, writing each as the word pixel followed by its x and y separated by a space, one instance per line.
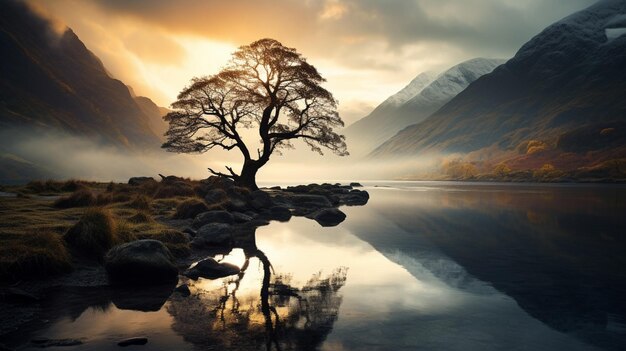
pixel 215 196
pixel 328 217
pixel 209 268
pixel 219 182
pixel 355 198
pixel 136 181
pixel 212 217
pixel 279 213
pixel 356 185
pixel 237 201
pixel 259 200
pixel 241 217
pixel 141 262
pixel 310 201
pixel 214 234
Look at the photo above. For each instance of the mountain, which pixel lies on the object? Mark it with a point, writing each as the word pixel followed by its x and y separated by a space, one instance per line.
pixel 155 115
pixel 49 80
pixel 418 100
pixel 560 99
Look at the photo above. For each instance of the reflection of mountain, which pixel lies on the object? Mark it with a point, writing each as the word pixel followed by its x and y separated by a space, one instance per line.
pixel 560 258
pixel 564 88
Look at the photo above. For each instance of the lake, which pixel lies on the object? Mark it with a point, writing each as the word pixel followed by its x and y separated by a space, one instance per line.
pixel 422 266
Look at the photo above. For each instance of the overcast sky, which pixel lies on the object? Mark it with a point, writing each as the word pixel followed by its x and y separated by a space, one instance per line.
pixel 367 49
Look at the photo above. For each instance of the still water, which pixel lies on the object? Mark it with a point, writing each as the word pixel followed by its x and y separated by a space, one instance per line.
pixel 422 266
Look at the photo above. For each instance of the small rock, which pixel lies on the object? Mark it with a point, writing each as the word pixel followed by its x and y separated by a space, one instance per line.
pixel 213 234
pixel 136 181
pixel 306 200
pixel 241 217
pixel 356 198
pixel 259 200
pixel 275 188
pixel 328 217
pixel 279 213
pixel 356 185
pixel 212 217
pixel 133 341
pixel 189 231
pixel 183 290
pixel 209 268
pixel 258 222
pixel 215 196
pixel 144 261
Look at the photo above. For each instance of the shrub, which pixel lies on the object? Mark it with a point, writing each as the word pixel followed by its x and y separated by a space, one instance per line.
pixel 190 208
pixel 39 255
pixel 140 202
pixel 547 172
pixel 174 190
pixel 80 198
pixel 93 235
pixel 501 169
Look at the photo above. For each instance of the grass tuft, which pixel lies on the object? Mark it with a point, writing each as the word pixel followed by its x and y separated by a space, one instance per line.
pixel 190 208
pixel 38 255
pixel 80 198
pixel 93 235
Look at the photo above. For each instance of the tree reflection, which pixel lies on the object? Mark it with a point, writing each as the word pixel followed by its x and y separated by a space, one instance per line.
pixel 278 317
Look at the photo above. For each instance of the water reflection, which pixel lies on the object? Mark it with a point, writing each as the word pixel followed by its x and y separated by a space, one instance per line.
pixel 277 316
pixel 557 250
pixel 431 267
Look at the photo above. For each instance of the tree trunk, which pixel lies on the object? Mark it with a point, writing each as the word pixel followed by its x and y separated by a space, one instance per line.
pixel 247 178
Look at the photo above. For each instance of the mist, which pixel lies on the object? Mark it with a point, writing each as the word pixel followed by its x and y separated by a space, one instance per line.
pixel 58 155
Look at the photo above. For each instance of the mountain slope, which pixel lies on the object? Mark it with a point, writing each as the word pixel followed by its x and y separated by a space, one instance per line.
pixel 359 134
pixel 155 115
pixel 563 90
pixel 400 111
pixel 50 80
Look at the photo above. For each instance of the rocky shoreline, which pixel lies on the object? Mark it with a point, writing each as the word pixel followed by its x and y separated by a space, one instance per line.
pixel 148 267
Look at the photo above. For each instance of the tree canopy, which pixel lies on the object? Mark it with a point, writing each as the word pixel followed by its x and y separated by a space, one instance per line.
pixel 265 86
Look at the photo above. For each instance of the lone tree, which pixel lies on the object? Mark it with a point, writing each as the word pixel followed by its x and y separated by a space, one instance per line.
pixel 265 86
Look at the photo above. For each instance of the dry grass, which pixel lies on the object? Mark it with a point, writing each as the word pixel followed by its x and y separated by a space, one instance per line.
pixel 94 234
pixel 36 255
pixel 38 239
pixel 82 197
pixel 190 208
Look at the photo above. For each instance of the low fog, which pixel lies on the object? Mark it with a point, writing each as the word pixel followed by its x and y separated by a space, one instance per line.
pixel 58 155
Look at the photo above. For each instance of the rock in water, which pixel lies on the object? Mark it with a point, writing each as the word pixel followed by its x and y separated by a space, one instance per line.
pixel 212 217
pixel 211 235
pixel 211 269
pixel 328 217
pixel 133 341
pixel 141 262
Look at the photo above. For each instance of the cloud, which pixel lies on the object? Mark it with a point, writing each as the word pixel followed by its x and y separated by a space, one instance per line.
pixel 367 49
